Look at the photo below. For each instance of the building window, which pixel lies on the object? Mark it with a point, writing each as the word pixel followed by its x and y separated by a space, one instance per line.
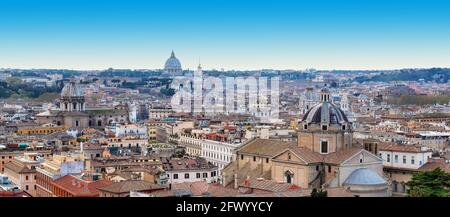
pixel 77 123
pixel 396 158
pixel 289 156
pixel 197 175
pixel 324 147
pixel 242 157
pixel 404 159
pixel 317 167
pixel 343 127
pixel 412 160
pixel 289 176
pixel 329 169
pixel 186 175
pixel 305 127
pixel 26 178
pixel 324 127
pixel 388 158
pixel 175 176
pixel 26 187
pixel 254 158
pixel 205 175
pixel 267 160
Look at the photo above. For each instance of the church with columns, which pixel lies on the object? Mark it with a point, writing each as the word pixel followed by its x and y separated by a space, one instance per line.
pixel 73 113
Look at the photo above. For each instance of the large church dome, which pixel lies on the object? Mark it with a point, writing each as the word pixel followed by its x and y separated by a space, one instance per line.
pixel 325 112
pixel 71 89
pixel 172 64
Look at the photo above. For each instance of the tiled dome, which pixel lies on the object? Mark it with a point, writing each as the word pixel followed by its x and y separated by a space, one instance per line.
pixel 71 89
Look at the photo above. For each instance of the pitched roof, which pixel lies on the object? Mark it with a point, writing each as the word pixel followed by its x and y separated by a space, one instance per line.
pixel 435 163
pixel 390 146
pixel 18 168
pixel 132 185
pixel 266 147
pixel 268 185
pixel 341 156
pixel 79 187
pixel 271 148
pixel 305 154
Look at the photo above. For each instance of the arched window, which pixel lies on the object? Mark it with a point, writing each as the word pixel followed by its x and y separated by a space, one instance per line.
pixel 289 176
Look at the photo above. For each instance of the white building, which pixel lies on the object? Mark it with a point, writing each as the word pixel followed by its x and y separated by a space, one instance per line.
pixel 218 153
pixel 127 142
pixel 192 170
pixel 131 130
pixel 404 156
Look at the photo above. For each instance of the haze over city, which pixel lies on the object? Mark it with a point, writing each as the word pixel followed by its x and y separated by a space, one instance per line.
pixel 223 107
pixel 231 34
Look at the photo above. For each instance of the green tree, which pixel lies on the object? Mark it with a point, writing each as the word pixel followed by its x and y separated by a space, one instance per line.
pixel 435 183
pixel 319 193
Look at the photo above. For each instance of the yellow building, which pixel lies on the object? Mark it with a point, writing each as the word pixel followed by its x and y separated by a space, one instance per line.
pixel 40 130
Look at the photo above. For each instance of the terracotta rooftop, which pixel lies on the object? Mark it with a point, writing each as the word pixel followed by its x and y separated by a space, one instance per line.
pixel 271 148
pixel 268 185
pixel 127 186
pixel 341 156
pixel 79 187
pixel 18 168
pixel 391 146
pixel 435 163
pixel 305 154
pixel 265 147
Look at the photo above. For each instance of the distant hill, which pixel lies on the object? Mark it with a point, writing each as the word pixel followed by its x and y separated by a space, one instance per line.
pixel 440 75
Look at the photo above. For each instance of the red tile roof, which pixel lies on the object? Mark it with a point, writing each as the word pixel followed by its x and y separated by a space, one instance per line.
pixel 390 146
pixel 80 188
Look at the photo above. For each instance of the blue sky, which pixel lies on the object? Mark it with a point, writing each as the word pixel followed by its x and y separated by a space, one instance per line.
pixel 229 34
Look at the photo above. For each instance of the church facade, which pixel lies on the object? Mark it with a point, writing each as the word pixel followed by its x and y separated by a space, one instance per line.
pixel 73 112
pixel 324 156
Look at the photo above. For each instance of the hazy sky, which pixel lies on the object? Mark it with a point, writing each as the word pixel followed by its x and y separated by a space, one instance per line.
pixel 229 34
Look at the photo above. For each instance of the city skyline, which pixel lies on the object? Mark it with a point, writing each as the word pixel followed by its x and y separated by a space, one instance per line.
pixel 326 35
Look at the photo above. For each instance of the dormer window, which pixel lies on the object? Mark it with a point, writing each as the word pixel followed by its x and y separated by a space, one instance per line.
pixel 305 127
pixel 324 127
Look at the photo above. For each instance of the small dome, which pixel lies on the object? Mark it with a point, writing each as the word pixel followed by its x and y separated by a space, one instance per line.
pixel 71 89
pixel 364 176
pixel 172 64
